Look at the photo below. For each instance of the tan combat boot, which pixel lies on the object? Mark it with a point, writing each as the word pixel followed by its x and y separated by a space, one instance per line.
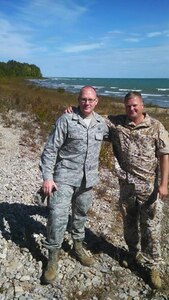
pixel 82 254
pixel 50 272
pixel 155 278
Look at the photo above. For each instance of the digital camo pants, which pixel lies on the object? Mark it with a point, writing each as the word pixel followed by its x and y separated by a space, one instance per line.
pixel 141 222
pixel 59 204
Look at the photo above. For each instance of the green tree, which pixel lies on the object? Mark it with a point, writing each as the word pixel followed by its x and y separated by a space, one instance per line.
pixel 16 69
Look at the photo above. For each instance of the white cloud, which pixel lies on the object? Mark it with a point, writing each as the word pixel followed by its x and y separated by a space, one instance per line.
pixel 132 39
pixel 128 62
pixel 117 32
pixel 37 31
pixel 166 32
pixel 153 34
pixel 82 48
pixel 13 44
pixel 48 12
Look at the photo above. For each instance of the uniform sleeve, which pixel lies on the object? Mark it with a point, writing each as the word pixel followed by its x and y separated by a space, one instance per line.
pixel 55 141
pixel 163 142
pixel 110 123
pixel 107 132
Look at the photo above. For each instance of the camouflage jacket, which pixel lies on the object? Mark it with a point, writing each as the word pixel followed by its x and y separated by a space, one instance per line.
pixel 137 147
pixel 72 150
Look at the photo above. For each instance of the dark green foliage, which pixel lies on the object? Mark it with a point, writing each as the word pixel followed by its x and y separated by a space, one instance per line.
pixel 16 69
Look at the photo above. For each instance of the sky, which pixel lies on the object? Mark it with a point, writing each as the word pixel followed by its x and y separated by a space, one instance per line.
pixel 87 38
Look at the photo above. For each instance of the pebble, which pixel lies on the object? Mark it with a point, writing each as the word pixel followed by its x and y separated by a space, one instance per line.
pixel 23 230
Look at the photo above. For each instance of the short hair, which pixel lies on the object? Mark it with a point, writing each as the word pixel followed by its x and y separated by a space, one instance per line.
pixel 84 87
pixel 131 95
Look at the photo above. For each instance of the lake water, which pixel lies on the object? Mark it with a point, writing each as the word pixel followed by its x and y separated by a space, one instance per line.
pixel 155 91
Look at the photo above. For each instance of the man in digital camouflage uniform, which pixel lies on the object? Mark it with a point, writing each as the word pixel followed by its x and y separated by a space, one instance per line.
pixel 69 165
pixel 139 141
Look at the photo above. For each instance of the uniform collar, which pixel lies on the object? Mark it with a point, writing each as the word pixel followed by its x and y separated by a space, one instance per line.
pixel 94 117
pixel 145 123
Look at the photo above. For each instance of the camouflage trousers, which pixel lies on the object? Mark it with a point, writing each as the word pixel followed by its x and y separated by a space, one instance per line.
pixel 142 216
pixel 59 203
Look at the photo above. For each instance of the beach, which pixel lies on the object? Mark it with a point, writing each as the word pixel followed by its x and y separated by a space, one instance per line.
pixel 23 231
pixel 25 120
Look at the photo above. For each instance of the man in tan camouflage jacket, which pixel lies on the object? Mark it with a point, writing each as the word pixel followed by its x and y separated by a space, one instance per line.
pixel 139 143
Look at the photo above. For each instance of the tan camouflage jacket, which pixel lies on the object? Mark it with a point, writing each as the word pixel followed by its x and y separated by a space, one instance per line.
pixel 137 148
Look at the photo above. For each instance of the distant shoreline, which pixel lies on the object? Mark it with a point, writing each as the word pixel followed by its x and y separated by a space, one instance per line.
pixel 154 91
pixel 117 101
pixel 47 104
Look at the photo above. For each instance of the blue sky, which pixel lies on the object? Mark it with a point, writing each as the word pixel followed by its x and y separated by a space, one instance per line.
pixel 87 38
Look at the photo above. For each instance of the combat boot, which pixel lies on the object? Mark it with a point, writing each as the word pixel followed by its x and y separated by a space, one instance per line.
pixel 133 259
pixel 82 254
pixel 155 278
pixel 50 272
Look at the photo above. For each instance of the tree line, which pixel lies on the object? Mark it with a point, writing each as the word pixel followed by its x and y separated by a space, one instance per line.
pixel 16 69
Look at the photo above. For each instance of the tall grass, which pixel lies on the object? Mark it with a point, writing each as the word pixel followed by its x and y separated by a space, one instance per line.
pixel 45 105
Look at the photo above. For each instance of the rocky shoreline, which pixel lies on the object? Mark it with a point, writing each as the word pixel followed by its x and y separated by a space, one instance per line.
pixel 22 231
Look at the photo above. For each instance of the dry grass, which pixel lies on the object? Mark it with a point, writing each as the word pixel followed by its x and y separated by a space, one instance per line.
pixel 45 105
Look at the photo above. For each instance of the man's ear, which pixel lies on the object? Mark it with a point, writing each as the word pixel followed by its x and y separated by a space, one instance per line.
pixel 97 100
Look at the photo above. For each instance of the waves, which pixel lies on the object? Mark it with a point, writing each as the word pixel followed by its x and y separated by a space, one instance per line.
pixel 155 91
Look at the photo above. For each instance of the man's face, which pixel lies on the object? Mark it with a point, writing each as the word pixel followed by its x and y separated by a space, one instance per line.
pixel 134 108
pixel 87 101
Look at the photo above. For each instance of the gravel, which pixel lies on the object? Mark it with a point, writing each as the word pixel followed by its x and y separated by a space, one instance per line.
pixel 23 230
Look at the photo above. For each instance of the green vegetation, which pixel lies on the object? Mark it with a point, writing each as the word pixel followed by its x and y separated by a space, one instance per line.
pixel 45 105
pixel 16 69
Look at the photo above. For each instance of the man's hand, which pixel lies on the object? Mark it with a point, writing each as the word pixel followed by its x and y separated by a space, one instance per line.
pixel 68 110
pixel 162 191
pixel 48 186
